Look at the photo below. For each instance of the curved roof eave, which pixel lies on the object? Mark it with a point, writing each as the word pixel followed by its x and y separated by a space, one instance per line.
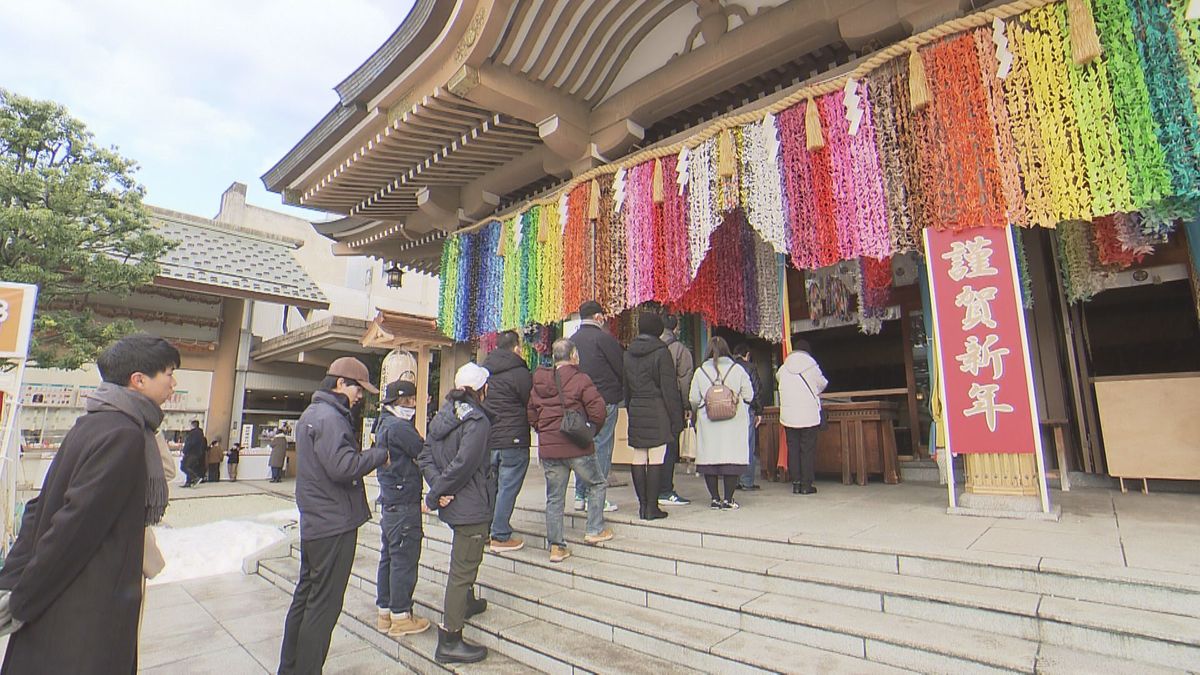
pixel 415 35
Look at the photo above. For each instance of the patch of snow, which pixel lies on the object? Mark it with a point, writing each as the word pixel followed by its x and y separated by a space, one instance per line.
pixel 218 547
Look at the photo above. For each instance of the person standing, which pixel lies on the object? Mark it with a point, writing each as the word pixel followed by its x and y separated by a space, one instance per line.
pixel 721 443
pixel 800 385
pixel 74 576
pixel 333 505
pixel 601 357
pixel 667 496
pixel 400 494
pixel 509 383
pixel 555 390
pixel 456 465
pixel 234 458
pixel 194 448
pixel 215 454
pixel 655 410
pixel 279 445
pixel 745 358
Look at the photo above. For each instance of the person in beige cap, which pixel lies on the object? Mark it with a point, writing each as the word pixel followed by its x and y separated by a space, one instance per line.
pixel 456 464
pixel 333 505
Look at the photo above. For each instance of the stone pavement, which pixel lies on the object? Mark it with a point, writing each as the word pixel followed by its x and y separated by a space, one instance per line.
pixel 233 625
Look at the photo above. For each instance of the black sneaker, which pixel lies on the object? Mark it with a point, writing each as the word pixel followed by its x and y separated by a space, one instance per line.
pixel 716 505
pixel 730 505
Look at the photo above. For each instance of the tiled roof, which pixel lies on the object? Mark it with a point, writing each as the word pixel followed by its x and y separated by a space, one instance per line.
pixel 226 260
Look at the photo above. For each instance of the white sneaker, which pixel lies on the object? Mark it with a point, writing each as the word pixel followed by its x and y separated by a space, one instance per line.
pixel 580 505
pixel 609 507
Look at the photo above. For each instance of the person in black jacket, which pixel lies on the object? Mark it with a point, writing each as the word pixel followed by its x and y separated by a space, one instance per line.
pixel 601 357
pixel 400 493
pixel 194 448
pixel 655 410
pixel 455 463
pixel 509 383
pixel 333 505
pixel 743 357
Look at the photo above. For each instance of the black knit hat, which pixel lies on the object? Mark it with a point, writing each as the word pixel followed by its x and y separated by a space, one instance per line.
pixel 650 324
pixel 590 308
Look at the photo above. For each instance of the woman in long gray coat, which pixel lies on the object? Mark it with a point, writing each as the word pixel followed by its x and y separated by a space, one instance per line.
pixel 723 447
pixel 278 455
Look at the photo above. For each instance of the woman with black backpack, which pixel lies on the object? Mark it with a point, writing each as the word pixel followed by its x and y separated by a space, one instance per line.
pixel 721 395
pixel 655 410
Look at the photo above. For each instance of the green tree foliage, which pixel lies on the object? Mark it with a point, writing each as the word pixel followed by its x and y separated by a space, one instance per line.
pixel 72 221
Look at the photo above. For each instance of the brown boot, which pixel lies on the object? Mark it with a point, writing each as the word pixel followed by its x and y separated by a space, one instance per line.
pixel 407 624
pixel 383 622
pixel 558 553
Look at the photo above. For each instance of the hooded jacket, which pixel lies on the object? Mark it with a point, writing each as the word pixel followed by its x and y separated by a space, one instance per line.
pixel 652 393
pixel 456 461
pixel 507 397
pixel 600 358
pixel 329 469
pixel 400 480
pixel 756 403
pixel 546 410
pixel 800 385
pixel 684 365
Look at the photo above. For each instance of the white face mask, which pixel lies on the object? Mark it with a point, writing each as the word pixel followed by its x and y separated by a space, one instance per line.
pixel 402 412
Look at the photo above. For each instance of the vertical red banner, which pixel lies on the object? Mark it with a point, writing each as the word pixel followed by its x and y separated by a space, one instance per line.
pixel 983 350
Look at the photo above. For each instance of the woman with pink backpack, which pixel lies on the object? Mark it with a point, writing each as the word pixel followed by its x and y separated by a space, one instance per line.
pixel 720 396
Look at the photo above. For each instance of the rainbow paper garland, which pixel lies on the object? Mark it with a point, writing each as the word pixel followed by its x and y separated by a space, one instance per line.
pixel 1108 151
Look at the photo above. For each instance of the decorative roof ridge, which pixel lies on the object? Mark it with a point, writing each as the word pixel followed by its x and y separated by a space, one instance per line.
pixel 210 224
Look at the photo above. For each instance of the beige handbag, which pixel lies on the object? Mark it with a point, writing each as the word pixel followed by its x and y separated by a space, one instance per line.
pixel 152 559
pixel 687 443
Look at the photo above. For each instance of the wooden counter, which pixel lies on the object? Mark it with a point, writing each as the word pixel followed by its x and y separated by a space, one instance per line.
pixel 860 441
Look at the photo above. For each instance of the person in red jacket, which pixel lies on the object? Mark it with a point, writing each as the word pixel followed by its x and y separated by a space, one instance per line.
pixel 565 386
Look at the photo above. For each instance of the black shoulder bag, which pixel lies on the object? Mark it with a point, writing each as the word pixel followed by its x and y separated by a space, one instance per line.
pixel 574 423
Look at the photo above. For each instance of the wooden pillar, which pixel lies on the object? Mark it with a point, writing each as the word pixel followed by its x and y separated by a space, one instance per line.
pixel 910 380
pixel 221 391
pixel 422 388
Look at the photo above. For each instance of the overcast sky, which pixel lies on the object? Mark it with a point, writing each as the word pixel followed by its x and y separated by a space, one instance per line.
pixel 201 93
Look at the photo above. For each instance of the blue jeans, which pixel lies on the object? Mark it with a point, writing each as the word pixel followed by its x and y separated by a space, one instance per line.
pixel 511 465
pixel 747 478
pixel 587 472
pixel 604 448
pixel 398 557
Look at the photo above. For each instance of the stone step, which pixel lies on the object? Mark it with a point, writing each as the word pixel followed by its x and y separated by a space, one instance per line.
pixel 1159 591
pixel 754 600
pixel 358 617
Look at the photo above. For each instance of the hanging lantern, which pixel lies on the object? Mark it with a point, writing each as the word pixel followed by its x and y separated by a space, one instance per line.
pixel 395 276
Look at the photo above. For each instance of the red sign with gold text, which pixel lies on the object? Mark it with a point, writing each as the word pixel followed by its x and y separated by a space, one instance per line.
pixel 987 384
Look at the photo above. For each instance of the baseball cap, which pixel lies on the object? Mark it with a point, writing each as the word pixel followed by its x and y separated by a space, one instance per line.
pixel 398 389
pixel 471 375
pixel 353 369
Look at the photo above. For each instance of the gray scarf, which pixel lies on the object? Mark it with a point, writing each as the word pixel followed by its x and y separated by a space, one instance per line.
pixel 110 397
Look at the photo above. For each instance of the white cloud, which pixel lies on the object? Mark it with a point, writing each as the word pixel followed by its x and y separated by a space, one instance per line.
pixel 196 91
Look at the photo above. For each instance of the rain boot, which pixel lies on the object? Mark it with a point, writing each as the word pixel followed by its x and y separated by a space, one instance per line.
pixel 638 474
pixel 476 605
pixel 653 480
pixel 452 648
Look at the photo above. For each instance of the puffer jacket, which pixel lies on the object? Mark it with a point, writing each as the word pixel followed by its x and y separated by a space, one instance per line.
pixel 456 461
pixel 399 481
pixel 546 410
pixel 329 469
pixel 600 358
pixel 682 359
pixel 800 385
pixel 652 396
pixel 508 388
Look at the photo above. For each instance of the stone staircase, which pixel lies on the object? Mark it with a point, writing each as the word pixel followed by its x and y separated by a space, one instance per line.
pixel 663 600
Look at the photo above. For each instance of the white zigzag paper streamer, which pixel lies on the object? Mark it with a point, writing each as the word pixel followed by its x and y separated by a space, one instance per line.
pixel 771 136
pixel 681 169
pixel 854 111
pixel 618 190
pixel 1004 58
pixel 1193 11
pixel 563 209
pixel 518 230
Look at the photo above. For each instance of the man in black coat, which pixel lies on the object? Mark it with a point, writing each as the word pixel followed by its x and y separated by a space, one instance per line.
pixel 400 494
pixel 333 505
pixel 195 446
pixel 74 575
pixel 509 384
pixel 744 358
pixel 603 359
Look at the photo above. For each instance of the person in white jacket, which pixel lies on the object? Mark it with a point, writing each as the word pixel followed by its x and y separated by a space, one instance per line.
pixel 800 385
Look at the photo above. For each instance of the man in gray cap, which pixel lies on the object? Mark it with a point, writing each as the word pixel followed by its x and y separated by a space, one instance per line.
pixel 330 466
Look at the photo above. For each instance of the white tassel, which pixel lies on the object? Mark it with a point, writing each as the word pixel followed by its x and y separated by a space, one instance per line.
pixel 1004 58
pixel 854 111
pixel 681 169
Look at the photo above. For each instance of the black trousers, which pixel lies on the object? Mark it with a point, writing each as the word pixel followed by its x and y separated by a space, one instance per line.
pixel 802 454
pixel 666 484
pixel 214 473
pixel 325 566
